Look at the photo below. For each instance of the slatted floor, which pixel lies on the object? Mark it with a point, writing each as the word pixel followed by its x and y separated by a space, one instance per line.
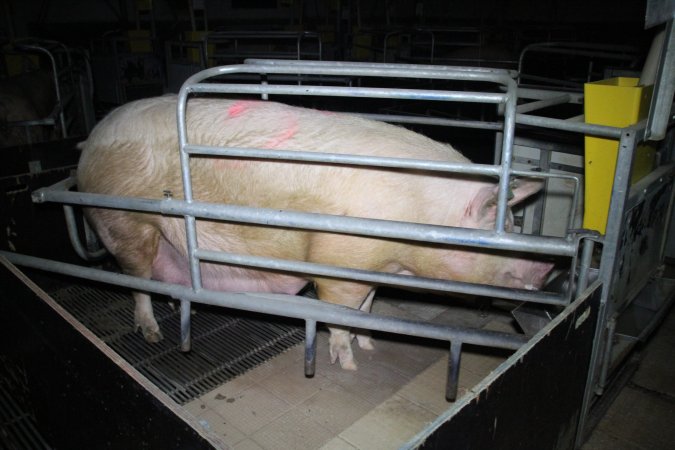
pixel 225 344
pixel 18 425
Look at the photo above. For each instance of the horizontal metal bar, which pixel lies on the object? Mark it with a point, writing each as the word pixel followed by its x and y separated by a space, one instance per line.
pixel 350 69
pixel 543 103
pixel 412 69
pixel 542 94
pixel 323 222
pixel 347 91
pixel 651 182
pixel 280 305
pixel 566 125
pixel 342 158
pixel 380 278
pixel 437 121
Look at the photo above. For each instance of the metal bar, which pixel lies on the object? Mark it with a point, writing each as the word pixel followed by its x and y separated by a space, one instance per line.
pixel 438 121
pixel 608 262
pixel 71 225
pixel 544 103
pixel 540 203
pixel 281 305
pixel 651 182
pixel 584 266
pixel 324 222
pixel 664 88
pixel 185 334
pixel 566 125
pixel 542 94
pixel 346 91
pixel 343 158
pixel 380 278
pixel 190 221
pixel 413 68
pixel 507 160
pixel 351 69
pixel 310 348
pixel 453 371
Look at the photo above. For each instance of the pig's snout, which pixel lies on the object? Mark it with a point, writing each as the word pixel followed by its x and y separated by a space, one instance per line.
pixel 530 275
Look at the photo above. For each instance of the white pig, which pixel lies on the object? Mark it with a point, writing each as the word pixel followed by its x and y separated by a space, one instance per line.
pixel 134 152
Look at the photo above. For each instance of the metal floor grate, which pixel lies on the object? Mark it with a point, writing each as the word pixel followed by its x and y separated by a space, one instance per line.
pixel 18 426
pixel 224 344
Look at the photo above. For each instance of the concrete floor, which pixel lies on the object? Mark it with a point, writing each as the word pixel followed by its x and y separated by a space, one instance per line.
pixel 643 415
pixel 398 388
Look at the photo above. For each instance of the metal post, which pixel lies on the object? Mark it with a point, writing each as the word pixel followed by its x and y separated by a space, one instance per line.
pixel 310 347
pixel 453 371
pixel 584 266
pixel 185 335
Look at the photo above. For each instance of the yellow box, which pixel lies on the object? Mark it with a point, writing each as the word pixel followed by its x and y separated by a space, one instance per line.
pixel 617 102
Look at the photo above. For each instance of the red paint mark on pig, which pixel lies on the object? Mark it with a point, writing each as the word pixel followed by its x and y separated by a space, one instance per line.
pixel 291 128
pixel 239 108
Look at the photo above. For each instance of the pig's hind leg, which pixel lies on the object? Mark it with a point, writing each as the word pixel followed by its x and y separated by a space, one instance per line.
pixel 144 318
pixel 134 245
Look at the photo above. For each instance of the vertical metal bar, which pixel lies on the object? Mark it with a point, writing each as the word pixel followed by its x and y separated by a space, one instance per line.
pixel 584 266
pixel 453 371
pixel 607 355
pixel 608 260
pixel 185 334
pixel 539 206
pixel 664 88
pixel 190 222
pixel 499 137
pixel 310 347
pixel 507 156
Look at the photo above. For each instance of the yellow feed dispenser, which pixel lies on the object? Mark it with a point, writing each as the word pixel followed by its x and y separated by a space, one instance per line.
pixel 617 102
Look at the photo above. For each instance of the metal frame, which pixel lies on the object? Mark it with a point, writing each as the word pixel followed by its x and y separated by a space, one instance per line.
pixel 295 306
pixel 311 312
pixel 61 65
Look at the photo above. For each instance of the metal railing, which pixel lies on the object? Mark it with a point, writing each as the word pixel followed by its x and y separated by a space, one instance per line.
pixel 312 312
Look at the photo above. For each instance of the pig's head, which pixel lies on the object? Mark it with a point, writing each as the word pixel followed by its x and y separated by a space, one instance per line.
pixel 500 269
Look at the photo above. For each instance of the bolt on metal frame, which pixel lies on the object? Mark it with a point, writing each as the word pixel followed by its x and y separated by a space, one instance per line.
pixel 314 311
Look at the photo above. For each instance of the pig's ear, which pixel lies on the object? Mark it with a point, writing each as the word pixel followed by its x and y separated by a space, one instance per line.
pixel 522 188
pixel 482 209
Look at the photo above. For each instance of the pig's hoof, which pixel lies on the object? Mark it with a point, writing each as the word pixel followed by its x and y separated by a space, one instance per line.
pixel 345 355
pixel 365 342
pixel 349 365
pixel 152 336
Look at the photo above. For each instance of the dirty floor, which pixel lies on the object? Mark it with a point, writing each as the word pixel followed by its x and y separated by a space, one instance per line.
pixel 642 417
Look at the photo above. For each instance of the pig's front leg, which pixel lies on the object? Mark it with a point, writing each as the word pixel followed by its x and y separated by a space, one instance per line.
pixel 351 295
pixel 144 318
pixel 363 336
pixel 340 347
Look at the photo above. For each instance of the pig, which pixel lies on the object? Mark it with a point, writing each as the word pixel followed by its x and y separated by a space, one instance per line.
pixel 134 152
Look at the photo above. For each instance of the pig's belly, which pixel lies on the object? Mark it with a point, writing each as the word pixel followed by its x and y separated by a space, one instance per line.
pixel 172 267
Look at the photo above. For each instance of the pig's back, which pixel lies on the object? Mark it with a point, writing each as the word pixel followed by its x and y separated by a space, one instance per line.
pixel 134 151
